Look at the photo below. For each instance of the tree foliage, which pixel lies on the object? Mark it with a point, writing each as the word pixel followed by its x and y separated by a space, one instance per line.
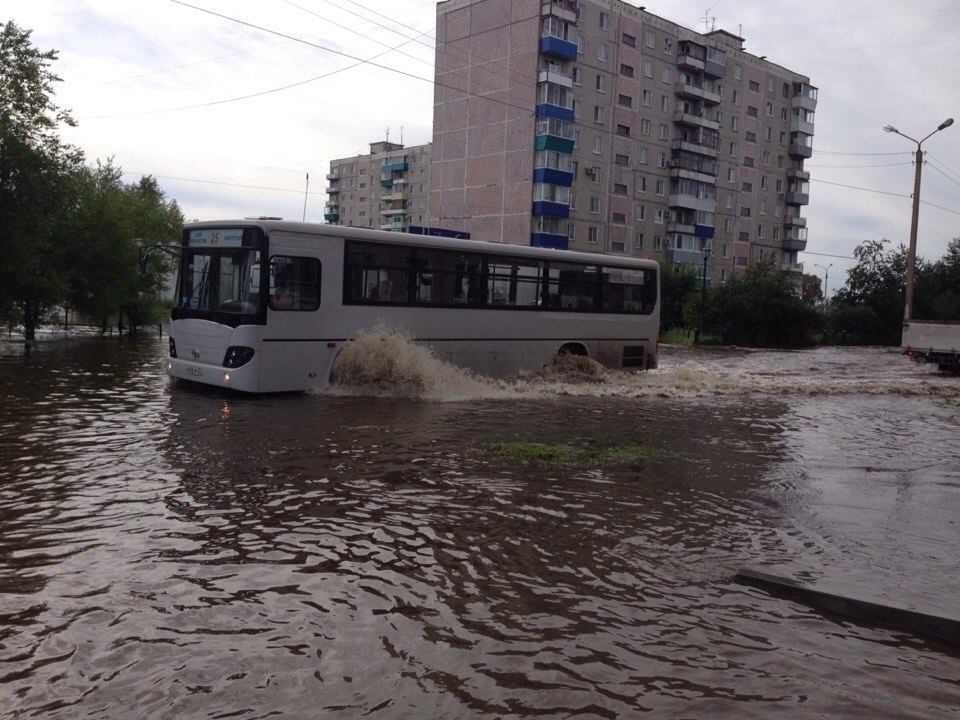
pixel 71 234
pixel 760 308
pixel 676 285
pixel 869 308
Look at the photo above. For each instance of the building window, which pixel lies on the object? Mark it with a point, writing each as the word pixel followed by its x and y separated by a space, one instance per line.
pixel 744 211
pixel 731 174
pixel 727 226
pixel 644 126
pixel 769 109
pixel 626 70
pixel 747 161
pixel 601 52
pixel 733 149
pixel 604 21
pixel 629 40
pixel 661 187
pixel 623 130
pixel 750 137
pixel 641 212
pixel 658 216
pixel 625 101
pixel 664 132
pixel 657 242
pixel 726 250
pixel 576 108
pixel 638 240
pixel 760 231
pixel 597 144
pixel 619 189
pixel 594 204
pixel 598 113
pixel 619 218
pixel 642 156
pixel 737 72
pixel 776 233
pixel 667 45
pixel 735 123
pixel 665 102
pixel 593 235
pixel 736 97
pixel 661 160
pixel 666 75
pixel 599 83
pixel 650 39
pixel 647 97
pixel 748 187
pixel 648 68
pixel 752 111
pixel 577 75
pixel 621 160
pixel 641 183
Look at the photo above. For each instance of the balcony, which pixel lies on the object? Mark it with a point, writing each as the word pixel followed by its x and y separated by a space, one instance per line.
pixel 795 221
pixel 704 231
pixel 557 112
pixel 794 244
pixel 700 92
pixel 690 62
pixel 555 77
pixel 684 257
pixel 550 208
pixel 703 167
pixel 331 213
pixel 549 240
pixel 804 96
pixel 801 150
pixel 395 197
pixel 333 176
pixel 683 118
pixel 393 211
pixel 394 166
pixel 680 227
pixel 557 11
pixel 798 125
pixel 333 190
pixel 797 198
pixel 692 203
pixel 553 176
pixel 555 47
pixel 798 174
pixel 695 148
pixel 396 223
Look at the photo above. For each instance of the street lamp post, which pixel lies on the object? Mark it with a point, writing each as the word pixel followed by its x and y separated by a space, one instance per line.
pixel 826 274
pixel 703 294
pixel 914 218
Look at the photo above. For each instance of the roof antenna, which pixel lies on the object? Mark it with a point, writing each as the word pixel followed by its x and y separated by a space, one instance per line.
pixel 388 133
pixel 401 134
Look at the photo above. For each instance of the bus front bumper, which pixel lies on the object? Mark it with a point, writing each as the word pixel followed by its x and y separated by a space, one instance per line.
pixel 243 378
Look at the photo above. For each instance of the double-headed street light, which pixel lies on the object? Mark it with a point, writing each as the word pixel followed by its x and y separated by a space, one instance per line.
pixel 703 294
pixel 826 274
pixel 912 250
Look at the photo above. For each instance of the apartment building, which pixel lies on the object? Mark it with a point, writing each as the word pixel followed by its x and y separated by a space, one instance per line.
pixel 385 189
pixel 595 125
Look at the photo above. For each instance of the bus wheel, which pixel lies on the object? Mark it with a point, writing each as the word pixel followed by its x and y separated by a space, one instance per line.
pixel 572 349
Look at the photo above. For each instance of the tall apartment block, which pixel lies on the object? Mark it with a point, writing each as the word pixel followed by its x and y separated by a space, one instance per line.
pixel 595 125
pixel 385 189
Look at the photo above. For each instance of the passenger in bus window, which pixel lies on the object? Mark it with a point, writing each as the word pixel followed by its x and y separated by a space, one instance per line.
pixel 384 291
pixel 282 298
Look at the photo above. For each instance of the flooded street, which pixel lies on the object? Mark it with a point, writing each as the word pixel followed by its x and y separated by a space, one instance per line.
pixel 172 551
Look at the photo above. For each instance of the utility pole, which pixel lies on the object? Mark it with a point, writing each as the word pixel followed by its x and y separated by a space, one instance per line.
pixel 703 295
pixel 306 191
pixel 915 215
pixel 826 275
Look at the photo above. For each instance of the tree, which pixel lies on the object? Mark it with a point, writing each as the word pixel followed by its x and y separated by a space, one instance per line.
pixel 877 282
pixel 760 308
pixel 676 285
pixel 811 290
pixel 37 188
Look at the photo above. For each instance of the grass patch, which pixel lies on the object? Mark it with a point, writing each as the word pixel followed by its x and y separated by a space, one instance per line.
pixel 538 453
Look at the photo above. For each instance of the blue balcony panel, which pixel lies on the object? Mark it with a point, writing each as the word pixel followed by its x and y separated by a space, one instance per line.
pixel 546 110
pixel 331 217
pixel 554 142
pixel 552 209
pixel 395 165
pixel 555 47
pixel 704 231
pixel 552 176
pixel 549 240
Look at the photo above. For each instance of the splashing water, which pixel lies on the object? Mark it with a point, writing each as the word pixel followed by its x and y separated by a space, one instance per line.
pixel 385 362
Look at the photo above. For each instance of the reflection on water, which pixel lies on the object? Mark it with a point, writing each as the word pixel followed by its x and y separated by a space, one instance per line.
pixel 169 551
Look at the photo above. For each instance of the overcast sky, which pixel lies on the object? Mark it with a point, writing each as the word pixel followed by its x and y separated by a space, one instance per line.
pixel 230 117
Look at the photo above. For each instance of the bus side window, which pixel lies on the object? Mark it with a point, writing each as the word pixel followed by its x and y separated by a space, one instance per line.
pixel 294 283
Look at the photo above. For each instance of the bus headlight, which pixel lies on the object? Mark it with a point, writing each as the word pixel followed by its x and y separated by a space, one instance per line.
pixel 237 355
pixel 173 348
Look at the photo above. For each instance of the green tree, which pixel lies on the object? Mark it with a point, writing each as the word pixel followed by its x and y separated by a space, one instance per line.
pixel 677 283
pixel 876 282
pixel 760 308
pixel 811 290
pixel 37 182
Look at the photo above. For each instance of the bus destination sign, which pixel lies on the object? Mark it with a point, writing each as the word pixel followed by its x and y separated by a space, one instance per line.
pixel 216 237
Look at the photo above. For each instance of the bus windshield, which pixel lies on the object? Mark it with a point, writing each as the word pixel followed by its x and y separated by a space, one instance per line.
pixel 220 280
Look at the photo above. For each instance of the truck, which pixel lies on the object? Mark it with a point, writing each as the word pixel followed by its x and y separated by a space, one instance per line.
pixel 933 341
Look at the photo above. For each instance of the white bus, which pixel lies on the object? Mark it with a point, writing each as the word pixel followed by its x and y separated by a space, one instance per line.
pixel 266 305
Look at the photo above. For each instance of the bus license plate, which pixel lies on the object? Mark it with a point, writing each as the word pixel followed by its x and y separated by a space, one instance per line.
pixel 191 370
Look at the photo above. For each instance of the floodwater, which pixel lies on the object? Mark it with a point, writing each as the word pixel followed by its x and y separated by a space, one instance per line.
pixel 168 551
